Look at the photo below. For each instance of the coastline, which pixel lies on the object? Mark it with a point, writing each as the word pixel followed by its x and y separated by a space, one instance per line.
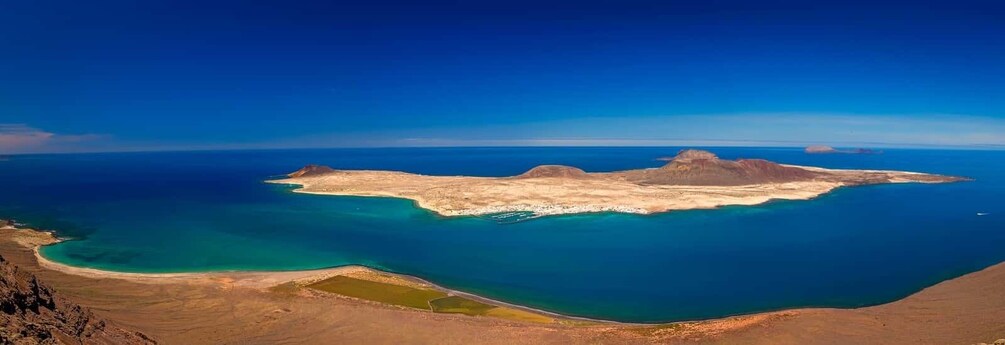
pixel 683 184
pixel 269 279
pixel 536 210
pixel 952 304
pixel 760 194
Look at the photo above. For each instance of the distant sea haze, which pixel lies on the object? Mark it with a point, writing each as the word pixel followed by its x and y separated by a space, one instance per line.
pixel 205 211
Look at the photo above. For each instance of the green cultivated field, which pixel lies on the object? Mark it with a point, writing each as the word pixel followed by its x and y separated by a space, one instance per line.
pixel 460 305
pixel 425 299
pixel 379 292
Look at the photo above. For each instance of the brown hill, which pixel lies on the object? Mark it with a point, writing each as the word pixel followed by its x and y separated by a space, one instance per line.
pixel 311 170
pixel 554 171
pixel 703 168
pixel 691 155
pixel 32 313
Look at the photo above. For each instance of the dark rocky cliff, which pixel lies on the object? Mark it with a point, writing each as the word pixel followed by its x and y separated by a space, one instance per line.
pixel 32 313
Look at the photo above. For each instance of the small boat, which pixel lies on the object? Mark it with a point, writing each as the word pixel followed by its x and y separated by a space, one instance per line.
pixel 982 213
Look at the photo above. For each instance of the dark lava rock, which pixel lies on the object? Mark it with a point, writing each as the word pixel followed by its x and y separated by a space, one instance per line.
pixel 32 313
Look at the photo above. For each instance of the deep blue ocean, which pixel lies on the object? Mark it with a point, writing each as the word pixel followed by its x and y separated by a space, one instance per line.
pixel 208 211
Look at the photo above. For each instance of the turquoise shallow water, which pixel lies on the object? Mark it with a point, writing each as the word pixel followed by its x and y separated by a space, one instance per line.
pixel 204 211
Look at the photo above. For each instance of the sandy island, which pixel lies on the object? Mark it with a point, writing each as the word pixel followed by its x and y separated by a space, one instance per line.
pixel 693 179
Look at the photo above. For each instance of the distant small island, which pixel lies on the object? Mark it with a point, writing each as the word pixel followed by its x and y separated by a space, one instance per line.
pixel 827 149
pixel 694 179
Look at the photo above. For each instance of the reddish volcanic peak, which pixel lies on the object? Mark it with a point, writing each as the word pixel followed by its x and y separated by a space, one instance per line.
pixel 703 168
pixel 311 170
pixel 554 171
pixel 768 171
pixel 689 155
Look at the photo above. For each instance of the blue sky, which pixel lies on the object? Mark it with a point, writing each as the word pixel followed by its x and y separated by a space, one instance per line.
pixel 167 75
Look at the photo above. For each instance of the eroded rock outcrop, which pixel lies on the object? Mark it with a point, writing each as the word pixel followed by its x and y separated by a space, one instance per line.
pixel 32 313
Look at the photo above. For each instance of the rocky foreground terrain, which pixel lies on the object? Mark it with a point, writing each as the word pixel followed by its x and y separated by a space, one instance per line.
pixel 693 179
pixel 32 313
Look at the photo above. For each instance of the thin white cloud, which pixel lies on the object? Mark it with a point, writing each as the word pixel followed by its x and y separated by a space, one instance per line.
pixel 755 129
pixel 777 129
pixel 21 138
pixel 15 137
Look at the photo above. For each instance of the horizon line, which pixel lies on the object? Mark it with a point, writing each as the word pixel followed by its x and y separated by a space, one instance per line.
pixel 981 147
